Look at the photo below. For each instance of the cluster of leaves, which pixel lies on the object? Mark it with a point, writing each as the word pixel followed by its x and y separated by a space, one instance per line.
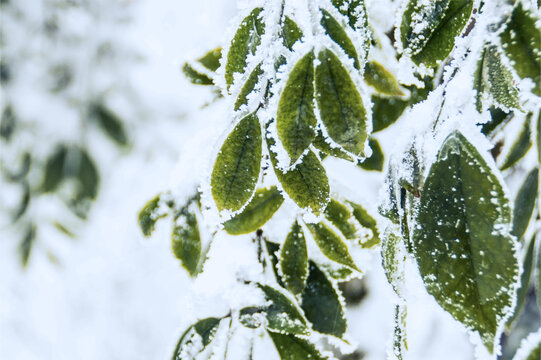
pixel 295 107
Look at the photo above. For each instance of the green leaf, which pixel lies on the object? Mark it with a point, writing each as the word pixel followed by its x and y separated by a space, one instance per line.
pixel 341 217
pixel 259 210
pixel 493 81
pixel 355 11
pixel 366 220
pixel 331 245
pixel 322 145
pixel 291 347
pixel 27 243
pixel 291 33
pixel 321 304
pixel 428 30
pixel 294 260
pixel 337 33
pixel 149 215
pixel 525 203
pixel 528 262
pixel 539 137
pixel 211 60
pixel 248 87
pixel 463 246
pixel 306 184
pixel 236 169
pixel 196 77
pixel 86 174
pixel 340 105
pixel 400 342
pixel 497 117
pixel 246 40
pixel 295 119
pixel 521 41
pixel 376 160
pixel 7 123
pixel 393 255
pixel 282 314
pixel 382 80
pixel 186 240
pixel 54 170
pixel 521 146
pixel 110 123
pixel 196 338
pixel 272 249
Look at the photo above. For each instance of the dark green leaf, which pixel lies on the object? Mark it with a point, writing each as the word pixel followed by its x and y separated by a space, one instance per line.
pixel 236 169
pixel 196 338
pixel 521 41
pixel 7 123
pixel 463 246
pixel 376 160
pixel 291 347
pixel 521 145
pixel 149 215
pixel 252 316
pixel 196 77
pixel 211 60
pixel 340 105
pixel 259 210
pixel 366 220
pixel 331 245
pixel 186 240
pixel 110 123
pixel 87 175
pixel 248 87
pixel 294 260
pixel 337 33
pixel 272 250
pixel 382 80
pixel 25 200
pixel 525 203
pixel 245 42
pixel 282 314
pixel 340 216
pixel 295 119
pixel 528 263
pixel 25 247
pixel 54 170
pixel 497 117
pixel 428 30
pixel 321 304
pixel 291 33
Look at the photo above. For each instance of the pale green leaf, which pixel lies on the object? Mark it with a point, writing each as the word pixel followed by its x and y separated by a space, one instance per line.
pixel 381 79
pixel 186 239
pixel 525 203
pixel 237 166
pixel 337 33
pixel 521 146
pixel 331 245
pixel 291 347
pixel 463 246
pixel 294 260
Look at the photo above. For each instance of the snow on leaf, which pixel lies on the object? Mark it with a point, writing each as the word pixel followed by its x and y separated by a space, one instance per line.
pixel 257 212
pixel 381 79
pixel 321 304
pixel 355 11
pixel 196 338
pixel 291 347
pixel 324 147
pixel 521 146
pixel 186 239
pixel 530 347
pixel 246 40
pixel 337 33
pixel 366 220
pixel 291 33
pixel 248 87
pixel 525 203
pixel 294 260
pixel 237 166
pixel 463 246
pixel 149 215
pixel 331 245
pixel 295 119
pixel 400 342
pixel 376 161
pixel 340 105
pixel 341 217
pixel 393 255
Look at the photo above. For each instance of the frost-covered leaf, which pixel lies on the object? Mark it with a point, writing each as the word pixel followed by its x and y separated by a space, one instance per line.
pixel 528 262
pixel 463 246
pixel 323 146
pixel 259 210
pixel 291 33
pixel 273 249
pixel 294 260
pixel 307 184
pixel 337 33
pixel 291 347
pixel 521 145
pixel 196 338
pixel 246 40
pixel 341 217
pixel 321 304
pixel 355 11
pixel 149 215
pixel 493 81
pixel 497 118
pixel 429 28
pixel 282 314
pixel 27 243
pixel 340 105
pixel 110 123
pixel 521 41
pixel 186 239
pixel 295 119
pixel 524 203
pixel 400 342
pixel 331 245
pixel 248 87
pixel 381 79
pixel 196 77
pixel 252 316
pixel 236 169
pixel 393 255
pixel 376 161
pixel 366 220
pixel 530 347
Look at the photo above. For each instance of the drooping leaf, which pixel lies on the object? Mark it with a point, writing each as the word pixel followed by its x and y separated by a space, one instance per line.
pixel 248 87
pixel 341 217
pixel 376 161
pixel 196 339
pixel 149 215
pixel 259 210
pixel 331 245
pixel 381 79
pixel 186 239
pixel 393 255
pixel 366 220
pixel 246 40
pixel 110 123
pixel 321 304
pixel 494 82
pixel 236 169
pixel 282 314
pixel 428 29
pixel 291 33
pixel 27 243
pixel 355 11
pixel 528 262
pixel 291 347
pixel 521 146
pixel 340 105
pixel 521 41
pixel 337 33
pixel 463 246
pixel 295 119
pixel 525 203
pixel 294 260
